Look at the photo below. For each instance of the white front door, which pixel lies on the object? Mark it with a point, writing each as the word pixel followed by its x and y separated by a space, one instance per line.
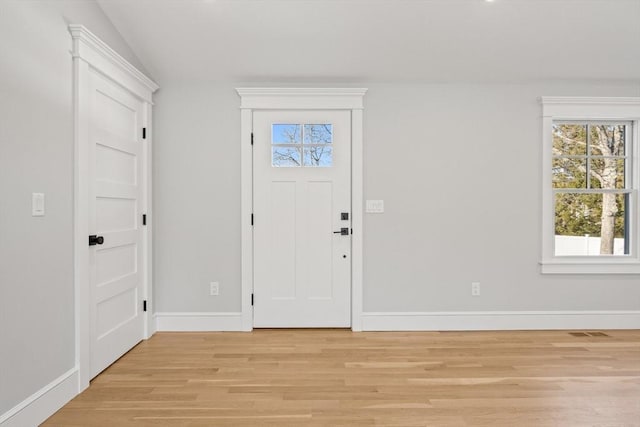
pixel 302 218
pixel 115 196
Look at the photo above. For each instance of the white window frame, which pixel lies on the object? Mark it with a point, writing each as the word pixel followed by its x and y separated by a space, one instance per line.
pixel 589 109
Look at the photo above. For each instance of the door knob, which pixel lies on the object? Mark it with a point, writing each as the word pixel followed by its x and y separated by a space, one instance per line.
pixel 95 240
pixel 344 231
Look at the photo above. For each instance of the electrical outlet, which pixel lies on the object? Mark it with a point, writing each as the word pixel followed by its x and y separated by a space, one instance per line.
pixel 475 289
pixel 214 288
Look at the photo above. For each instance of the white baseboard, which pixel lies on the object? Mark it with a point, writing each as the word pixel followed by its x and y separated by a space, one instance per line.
pixel 499 320
pixel 35 409
pixel 428 321
pixel 198 322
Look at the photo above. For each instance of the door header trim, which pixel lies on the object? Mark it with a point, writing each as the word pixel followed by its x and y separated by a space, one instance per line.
pixel 88 47
pixel 301 98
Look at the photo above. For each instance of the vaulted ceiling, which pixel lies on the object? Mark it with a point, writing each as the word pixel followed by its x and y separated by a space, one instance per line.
pixel 382 40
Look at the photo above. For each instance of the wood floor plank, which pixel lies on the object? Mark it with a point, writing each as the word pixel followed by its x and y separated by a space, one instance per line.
pixel 341 378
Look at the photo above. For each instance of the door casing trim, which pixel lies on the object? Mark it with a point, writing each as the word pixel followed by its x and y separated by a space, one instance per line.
pixel 90 54
pixel 261 99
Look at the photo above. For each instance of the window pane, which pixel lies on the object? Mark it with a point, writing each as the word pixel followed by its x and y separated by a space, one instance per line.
pixel 321 156
pixel 285 156
pixel 569 173
pixel 590 224
pixel 607 173
pixel 286 134
pixel 607 140
pixel 569 140
pixel 318 134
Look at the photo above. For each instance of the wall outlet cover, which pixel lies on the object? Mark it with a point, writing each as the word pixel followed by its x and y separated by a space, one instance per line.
pixel 475 289
pixel 214 288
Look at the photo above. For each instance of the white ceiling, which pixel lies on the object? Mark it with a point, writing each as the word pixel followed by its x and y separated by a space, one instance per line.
pixel 382 40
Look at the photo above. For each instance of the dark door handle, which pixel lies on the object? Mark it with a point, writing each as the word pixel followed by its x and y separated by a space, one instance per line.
pixel 344 231
pixel 95 240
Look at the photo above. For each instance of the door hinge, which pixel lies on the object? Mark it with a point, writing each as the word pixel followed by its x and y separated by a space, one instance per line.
pixel 144 305
pixel 144 219
pixel 252 300
pixel 251 138
pixel 144 133
pixel 251 219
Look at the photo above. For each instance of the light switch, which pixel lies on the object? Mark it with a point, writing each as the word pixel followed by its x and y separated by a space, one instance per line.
pixel 375 206
pixel 37 204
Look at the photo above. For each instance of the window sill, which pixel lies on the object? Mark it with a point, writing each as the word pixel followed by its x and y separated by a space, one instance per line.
pixel 590 266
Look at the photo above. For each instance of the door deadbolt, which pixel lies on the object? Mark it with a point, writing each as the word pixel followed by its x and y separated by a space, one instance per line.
pixel 95 240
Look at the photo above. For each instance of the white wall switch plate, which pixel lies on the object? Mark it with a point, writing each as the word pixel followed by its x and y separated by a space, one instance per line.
pixel 37 204
pixel 375 206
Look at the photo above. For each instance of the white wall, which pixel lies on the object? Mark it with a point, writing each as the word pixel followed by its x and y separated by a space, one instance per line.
pixel 457 165
pixel 459 169
pixel 196 198
pixel 36 155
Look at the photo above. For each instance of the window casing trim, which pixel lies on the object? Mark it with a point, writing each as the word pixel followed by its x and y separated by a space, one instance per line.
pixel 589 109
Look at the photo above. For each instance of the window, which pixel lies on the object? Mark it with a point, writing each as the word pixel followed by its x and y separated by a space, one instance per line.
pixel 308 145
pixel 591 188
pixel 590 185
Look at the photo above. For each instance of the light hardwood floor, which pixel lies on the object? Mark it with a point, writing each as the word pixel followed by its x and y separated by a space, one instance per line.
pixel 340 378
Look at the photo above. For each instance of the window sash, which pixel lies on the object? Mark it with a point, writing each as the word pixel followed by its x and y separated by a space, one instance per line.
pixel 628 147
pixel 593 190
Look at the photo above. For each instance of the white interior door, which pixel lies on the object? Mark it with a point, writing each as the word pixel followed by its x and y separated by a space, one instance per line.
pixel 115 196
pixel 302 201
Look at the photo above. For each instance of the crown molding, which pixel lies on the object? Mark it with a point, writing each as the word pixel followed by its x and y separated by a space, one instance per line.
pixel 82 37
